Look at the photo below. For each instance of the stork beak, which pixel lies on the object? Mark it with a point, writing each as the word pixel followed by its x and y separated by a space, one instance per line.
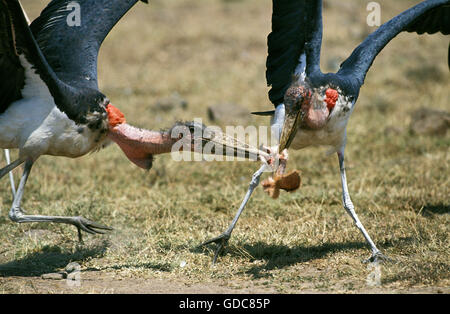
pixel 291 123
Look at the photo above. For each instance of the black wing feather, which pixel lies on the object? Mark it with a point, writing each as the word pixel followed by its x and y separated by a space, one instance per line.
pixel 433 21
pixel 23 42
pixel 427 17
pixel 12 74
pixel 72 51
pixel 296 29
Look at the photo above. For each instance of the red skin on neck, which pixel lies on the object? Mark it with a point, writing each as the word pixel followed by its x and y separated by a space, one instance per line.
pixel 332 96
pixel 316 116
pixel 115 116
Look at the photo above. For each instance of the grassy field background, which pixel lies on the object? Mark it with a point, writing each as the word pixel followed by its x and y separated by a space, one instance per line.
pixel 213 52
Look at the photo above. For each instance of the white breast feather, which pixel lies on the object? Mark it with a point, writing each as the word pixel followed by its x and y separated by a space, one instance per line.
pixel 300 70
pixel 36 126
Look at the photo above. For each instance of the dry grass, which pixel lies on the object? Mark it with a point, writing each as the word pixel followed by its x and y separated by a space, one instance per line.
pixel 212 52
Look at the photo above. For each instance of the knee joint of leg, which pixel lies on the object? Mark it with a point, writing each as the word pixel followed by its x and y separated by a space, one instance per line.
pixel 15 214
pixel 348 204
pixel 255 181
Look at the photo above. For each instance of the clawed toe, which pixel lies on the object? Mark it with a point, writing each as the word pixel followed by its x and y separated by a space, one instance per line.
pixel 89 226
pixel 221 242
pixel 220 239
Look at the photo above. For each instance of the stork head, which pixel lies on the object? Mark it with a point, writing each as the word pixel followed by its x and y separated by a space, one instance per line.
pixel 306 108
pixel 296 97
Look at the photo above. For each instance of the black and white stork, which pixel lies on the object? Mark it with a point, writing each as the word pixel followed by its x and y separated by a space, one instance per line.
pixel 50 103
pixel 313 108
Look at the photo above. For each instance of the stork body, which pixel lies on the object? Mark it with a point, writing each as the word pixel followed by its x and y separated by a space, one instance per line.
pixel 49 98
pixel 37 126
pixel 315 107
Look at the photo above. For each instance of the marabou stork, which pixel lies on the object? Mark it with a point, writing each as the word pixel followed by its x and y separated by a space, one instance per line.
pixel 313 108
pixel 49 98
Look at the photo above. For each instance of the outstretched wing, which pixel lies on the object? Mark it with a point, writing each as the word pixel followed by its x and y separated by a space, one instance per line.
pixel 430 16
pixel 70 34
pixel 294 43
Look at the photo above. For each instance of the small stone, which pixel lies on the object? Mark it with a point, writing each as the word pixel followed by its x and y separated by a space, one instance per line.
pixel 55 276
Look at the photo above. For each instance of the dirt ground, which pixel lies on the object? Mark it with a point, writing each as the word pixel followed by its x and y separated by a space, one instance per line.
pixel 102 282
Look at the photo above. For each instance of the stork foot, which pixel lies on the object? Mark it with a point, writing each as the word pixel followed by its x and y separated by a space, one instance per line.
pixel 378 257
pixel 221 242
pixel 17 214
pixel 88 226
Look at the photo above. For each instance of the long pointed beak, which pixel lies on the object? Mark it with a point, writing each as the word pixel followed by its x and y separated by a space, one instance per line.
pixel 227 145
pixel 291 123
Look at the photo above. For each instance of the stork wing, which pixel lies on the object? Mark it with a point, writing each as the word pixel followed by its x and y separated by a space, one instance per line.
pixel 70 34
pixel 12 74
pixel 17 40
pixel 294 43
pixel 427 17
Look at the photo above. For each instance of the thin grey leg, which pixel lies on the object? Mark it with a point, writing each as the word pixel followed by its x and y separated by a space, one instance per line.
pixel 222 240
pixel 350 208
pixel 8 168
pixel 17 215
pixel 11 176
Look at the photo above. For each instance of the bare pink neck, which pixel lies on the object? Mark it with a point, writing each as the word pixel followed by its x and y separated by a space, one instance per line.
pixel 139 145
pixel 153 142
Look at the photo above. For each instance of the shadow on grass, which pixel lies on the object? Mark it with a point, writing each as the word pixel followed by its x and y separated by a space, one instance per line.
pixel 280 256
pixel 50 259
pixel 435 209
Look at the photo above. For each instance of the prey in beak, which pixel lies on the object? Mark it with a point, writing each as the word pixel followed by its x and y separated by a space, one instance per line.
pixel 285 123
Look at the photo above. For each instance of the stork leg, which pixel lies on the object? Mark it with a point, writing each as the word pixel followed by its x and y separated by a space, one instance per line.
pixel 16 214
pixel 11 177
pixel 222 240
pixel 10 167
pixel 350 208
